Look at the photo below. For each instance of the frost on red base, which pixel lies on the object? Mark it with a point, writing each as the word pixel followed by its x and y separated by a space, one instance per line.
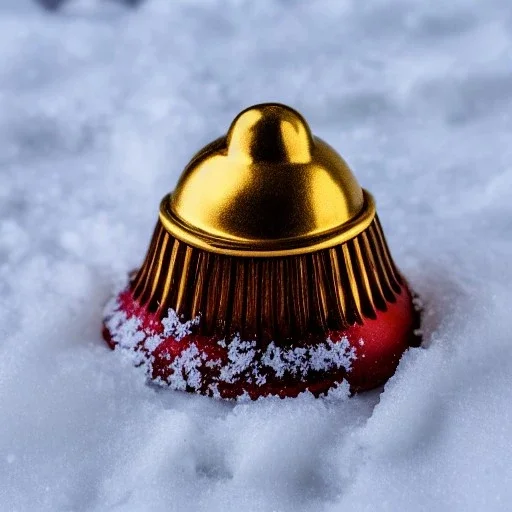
pixel 364 356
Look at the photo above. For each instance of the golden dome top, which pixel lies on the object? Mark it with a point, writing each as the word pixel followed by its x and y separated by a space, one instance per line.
pixel 268 188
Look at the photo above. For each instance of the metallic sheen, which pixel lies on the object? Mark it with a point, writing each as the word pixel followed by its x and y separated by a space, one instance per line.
pixel 275 298
pixel 269 188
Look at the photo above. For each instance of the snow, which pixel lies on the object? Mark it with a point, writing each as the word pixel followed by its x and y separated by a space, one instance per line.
pixel 102 107
pixel 245 362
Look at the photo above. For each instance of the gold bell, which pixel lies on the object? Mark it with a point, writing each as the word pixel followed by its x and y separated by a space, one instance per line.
pixel 268 271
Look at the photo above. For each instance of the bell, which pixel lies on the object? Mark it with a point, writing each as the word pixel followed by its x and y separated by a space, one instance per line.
pixel 268 272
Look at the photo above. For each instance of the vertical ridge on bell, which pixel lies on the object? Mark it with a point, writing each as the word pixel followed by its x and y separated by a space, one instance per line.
pixel 319 309
pixel 212 296
pixel 143 278
pixel 199 282
pixel 253 294
pixel 168 288
pixel 378 295
pixel 237 312
pixel 368 306
pixel 267 306
pixel 224 320
pixel 297 276
pixel 282 313
pixel 160 262
pixel 183 280
pixel 339 295
pixel 354 291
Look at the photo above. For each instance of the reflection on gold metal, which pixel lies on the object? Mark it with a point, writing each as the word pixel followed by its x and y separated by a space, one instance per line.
pixel 269 188
pixel 269 235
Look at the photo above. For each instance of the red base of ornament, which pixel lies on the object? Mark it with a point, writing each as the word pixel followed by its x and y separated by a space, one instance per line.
pixel 369 354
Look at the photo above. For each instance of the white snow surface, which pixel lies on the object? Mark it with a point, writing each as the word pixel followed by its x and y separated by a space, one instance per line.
pixel 102 106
